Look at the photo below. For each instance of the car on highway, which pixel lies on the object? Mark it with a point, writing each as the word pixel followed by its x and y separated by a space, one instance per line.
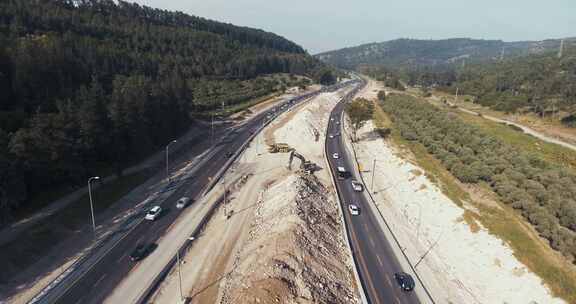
pixel 405 281
pixel 141 251
pixel 354 210
pixel 342 173
pixel 153 213
pixel 331 136
pixel 335 156
pixel 357 186
pixel 182 202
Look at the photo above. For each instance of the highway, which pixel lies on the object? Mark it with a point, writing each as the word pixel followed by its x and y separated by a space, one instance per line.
pixel 373 256
pixel 98 278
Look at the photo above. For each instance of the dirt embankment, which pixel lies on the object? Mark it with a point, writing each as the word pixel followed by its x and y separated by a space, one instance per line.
pixel 291 254
pixel 282 240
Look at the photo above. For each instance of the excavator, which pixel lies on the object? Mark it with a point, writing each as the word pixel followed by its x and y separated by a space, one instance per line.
pixel 306 166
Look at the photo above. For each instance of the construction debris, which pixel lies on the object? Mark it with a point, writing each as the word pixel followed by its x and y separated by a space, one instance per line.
pixel 293 253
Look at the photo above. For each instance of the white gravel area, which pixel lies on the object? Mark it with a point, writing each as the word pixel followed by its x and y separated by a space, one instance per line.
pixel 462 265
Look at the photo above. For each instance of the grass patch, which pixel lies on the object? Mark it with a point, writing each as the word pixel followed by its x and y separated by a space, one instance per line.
pixel 556 272
pixel 531 251
pixel 553 153
pixel 40 238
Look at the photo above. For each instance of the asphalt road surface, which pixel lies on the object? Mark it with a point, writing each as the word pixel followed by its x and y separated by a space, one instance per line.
pixel 101 279
pixel 373 255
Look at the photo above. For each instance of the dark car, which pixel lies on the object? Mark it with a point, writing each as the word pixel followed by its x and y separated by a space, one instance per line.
pixel 141 251
pixel 229 154
pixel 405 281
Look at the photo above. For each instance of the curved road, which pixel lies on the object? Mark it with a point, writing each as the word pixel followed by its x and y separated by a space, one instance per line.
pixel 373 256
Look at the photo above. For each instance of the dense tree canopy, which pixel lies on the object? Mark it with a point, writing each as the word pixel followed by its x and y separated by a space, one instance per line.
pixel 90 84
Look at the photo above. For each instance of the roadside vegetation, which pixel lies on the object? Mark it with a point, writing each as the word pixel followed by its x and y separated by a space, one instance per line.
pixel 506 222
pixel 37 241
pixel 89 86
pixel 514 136
pixel 359 111
pixel 545 194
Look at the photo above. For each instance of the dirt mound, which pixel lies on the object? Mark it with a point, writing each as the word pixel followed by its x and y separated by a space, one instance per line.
pixel 295 252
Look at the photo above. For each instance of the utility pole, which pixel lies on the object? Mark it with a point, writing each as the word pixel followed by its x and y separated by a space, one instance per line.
pixel 167 147
pixel 212 130
pixel 179 275
pixel 372 181
pixel 429 249
pixel 561 49
pixel 91 203
pixel 457 90
pixel 502 53
pixel 225 198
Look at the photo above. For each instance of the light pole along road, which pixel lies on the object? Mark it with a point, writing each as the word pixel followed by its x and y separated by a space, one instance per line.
pixel 91 203
pixel 373 255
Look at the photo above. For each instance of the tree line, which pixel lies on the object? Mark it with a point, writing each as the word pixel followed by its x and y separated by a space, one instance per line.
pixel 91 84
pixel 543 193
pixel 543 84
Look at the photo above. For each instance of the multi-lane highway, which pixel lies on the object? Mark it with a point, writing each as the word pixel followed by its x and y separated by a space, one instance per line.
pixel 373 255
pixel 100 275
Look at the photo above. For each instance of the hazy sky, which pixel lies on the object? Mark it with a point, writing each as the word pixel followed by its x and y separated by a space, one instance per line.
pixel 321 25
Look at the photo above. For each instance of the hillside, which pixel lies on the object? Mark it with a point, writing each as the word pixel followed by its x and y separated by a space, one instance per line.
pixel 413 52
pixel 88 85
pixel 542 84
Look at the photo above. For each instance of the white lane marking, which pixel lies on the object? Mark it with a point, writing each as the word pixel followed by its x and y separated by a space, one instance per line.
pixel 379 260
pixel 388 280
pixel 100 280
pixel 121 258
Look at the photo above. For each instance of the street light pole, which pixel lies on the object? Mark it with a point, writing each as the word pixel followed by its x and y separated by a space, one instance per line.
pixel 179 275
pixel 91 203
pixel 372 181
pixel 224 183
pixel 212 130
pixel 167 147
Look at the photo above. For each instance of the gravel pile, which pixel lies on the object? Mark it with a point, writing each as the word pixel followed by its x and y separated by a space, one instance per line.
pixel 295 252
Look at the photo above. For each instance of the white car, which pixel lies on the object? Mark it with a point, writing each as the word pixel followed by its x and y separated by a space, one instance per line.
pixel 357 186
pixel 153 213
pixel 354 210
pixel 335 156
pixel 331 136
pixel 182 202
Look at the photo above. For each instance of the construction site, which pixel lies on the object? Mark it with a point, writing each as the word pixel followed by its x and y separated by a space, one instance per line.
pixel 277 236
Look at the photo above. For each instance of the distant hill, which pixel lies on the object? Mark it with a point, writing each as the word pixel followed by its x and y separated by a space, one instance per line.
pixel 413 52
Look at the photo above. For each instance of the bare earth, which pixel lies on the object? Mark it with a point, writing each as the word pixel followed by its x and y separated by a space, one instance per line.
pixel 283 242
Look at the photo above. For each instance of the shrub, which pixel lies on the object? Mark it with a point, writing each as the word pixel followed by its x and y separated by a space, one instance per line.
pixel 544 194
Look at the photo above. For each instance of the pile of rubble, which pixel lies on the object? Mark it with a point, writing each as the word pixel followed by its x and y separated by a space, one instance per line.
pixel 295 251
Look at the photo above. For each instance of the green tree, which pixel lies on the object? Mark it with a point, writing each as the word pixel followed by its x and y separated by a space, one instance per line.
pixel 359 111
